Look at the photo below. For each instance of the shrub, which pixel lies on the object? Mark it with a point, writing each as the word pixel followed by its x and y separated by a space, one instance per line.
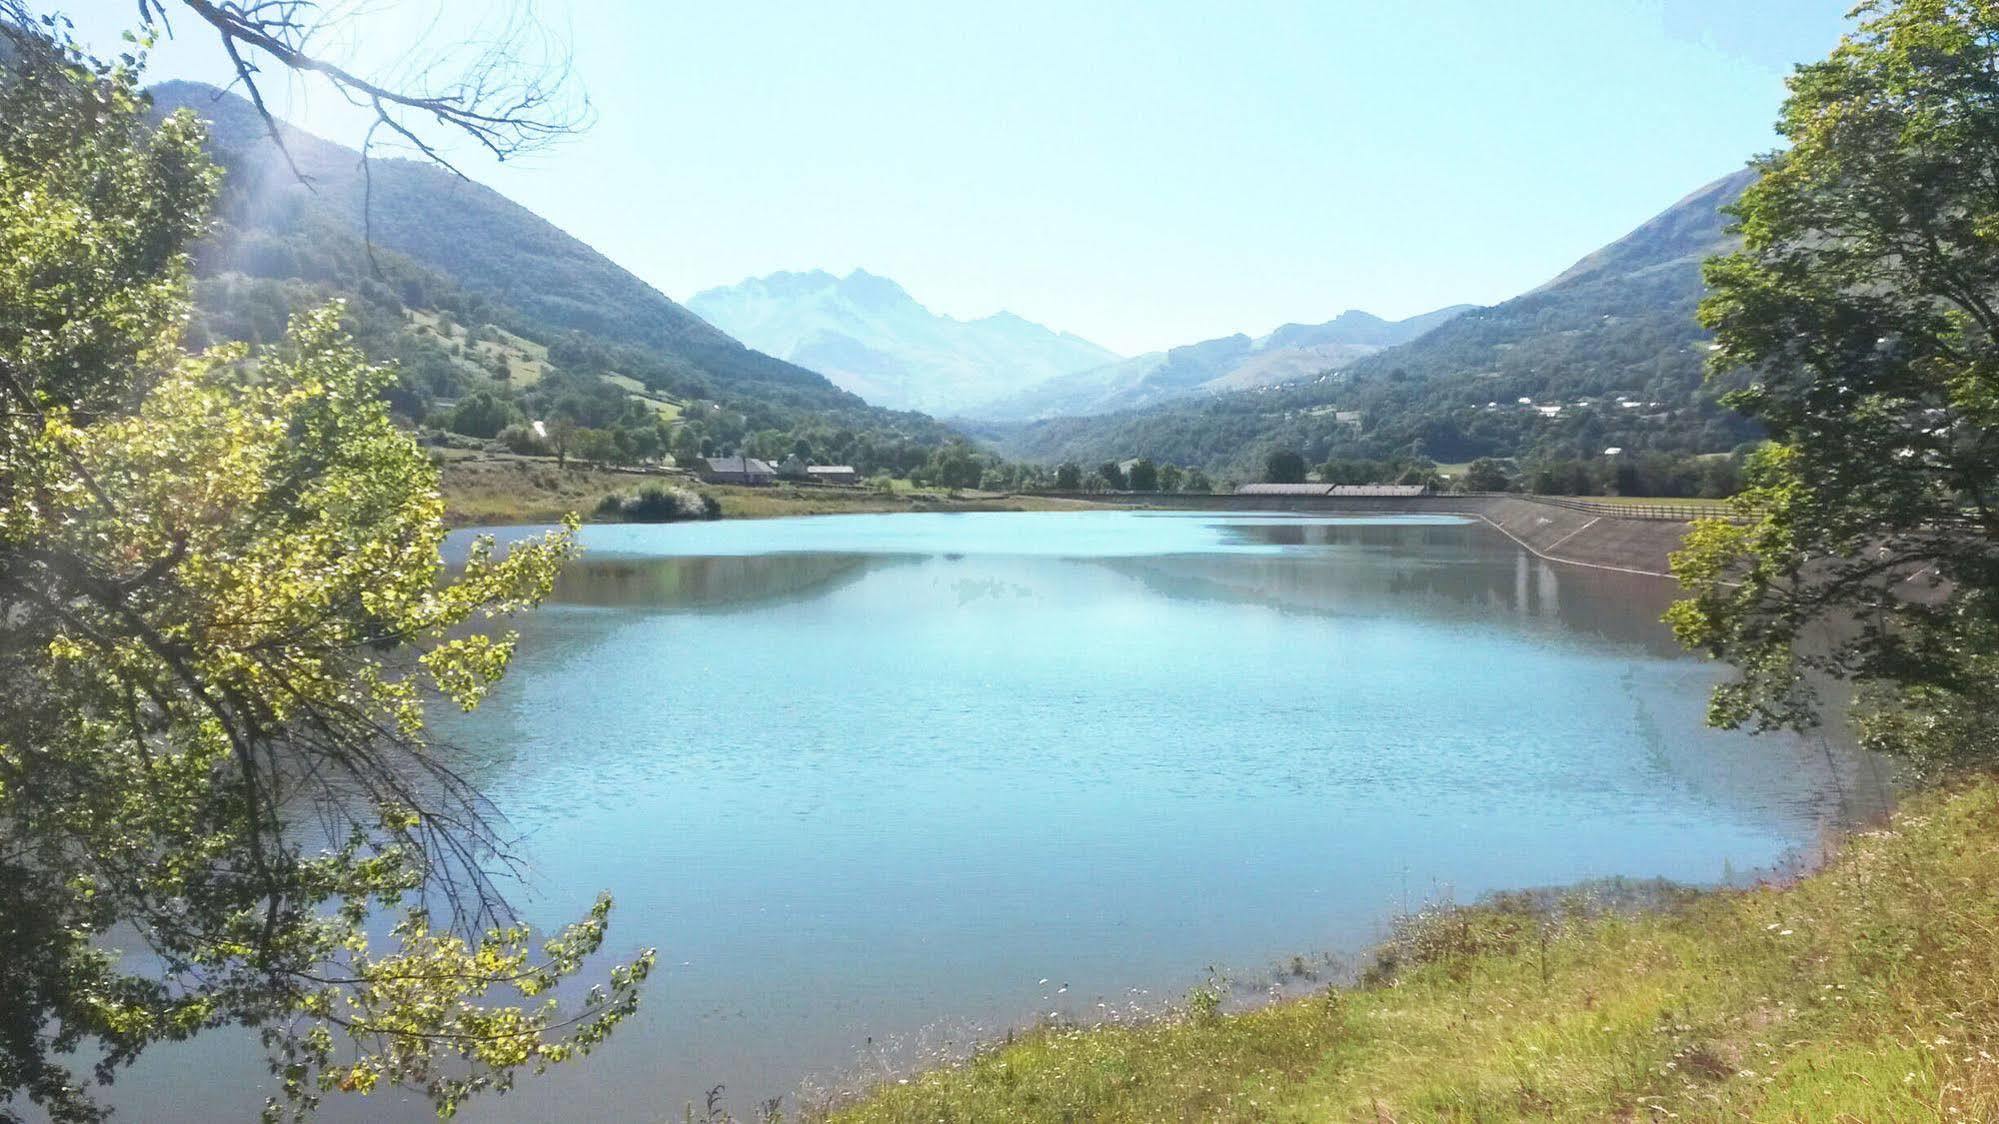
pixel 523 440
pixel 660 503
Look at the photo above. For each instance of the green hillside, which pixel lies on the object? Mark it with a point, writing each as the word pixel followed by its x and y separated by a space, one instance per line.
pixel 477 297
pixel 1612 342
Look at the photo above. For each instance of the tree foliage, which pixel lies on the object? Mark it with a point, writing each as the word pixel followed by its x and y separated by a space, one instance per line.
pixel 1284 466
pixel 226 615
pixel 1862 307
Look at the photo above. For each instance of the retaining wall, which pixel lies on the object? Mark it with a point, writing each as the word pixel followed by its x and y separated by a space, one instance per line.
pixel 1551 531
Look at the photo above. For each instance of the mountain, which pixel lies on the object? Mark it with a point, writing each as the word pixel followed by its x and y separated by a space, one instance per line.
pixel 869 336
pixel 1291 353
pixel 454 280
pixel 1611 341
pixel 1356 327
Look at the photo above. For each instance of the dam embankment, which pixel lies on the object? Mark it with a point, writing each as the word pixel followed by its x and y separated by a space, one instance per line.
pixel 1597 535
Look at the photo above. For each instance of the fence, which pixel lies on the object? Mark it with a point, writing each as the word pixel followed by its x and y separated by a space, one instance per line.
pixel 1664 510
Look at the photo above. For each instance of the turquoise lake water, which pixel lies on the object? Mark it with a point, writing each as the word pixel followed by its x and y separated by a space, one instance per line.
pixel 880 786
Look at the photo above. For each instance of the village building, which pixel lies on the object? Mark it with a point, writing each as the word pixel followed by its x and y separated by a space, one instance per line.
pixel 794 467
pixel 1364 491
pixel 841 475
pixel 736 470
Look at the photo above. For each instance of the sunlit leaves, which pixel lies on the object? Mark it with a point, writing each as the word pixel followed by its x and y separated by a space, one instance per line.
pixel 1862 303
pixel 227 612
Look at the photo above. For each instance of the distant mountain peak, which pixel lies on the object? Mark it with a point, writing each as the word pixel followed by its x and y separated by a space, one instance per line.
pixel 875 290
pixel 870 336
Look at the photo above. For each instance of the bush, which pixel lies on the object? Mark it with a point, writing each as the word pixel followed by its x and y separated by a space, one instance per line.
pixel 660 503
pixel 523 440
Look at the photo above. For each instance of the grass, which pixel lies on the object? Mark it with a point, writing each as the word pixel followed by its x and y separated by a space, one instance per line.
pixel 525 361
pixel 1867 992
pixel 492 490
pixel 499 490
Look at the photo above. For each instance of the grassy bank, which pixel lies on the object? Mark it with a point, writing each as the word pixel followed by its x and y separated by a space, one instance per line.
pixel 486 490
pixel 1868 992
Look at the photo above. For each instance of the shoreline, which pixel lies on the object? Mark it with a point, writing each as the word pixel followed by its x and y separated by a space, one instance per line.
pixel 499 492
pixel 930 1086
pixel 1774 1000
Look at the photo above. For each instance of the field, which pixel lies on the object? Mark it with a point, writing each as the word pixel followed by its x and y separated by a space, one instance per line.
pixel 523 360
pixel 496 490
pixel 1867 992
pixel 484 489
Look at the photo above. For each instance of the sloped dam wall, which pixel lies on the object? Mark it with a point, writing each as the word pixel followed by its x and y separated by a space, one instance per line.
pixel 1560 534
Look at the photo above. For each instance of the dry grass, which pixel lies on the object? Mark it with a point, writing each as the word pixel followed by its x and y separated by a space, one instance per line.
pixel 491 490
pixel 500 490
pixel 1868 992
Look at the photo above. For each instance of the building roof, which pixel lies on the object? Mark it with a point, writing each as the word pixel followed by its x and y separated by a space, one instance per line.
pixel 749 466
pixel 1284 490
pixel 1379 490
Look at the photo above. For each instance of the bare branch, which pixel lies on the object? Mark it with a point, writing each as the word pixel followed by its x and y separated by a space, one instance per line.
pixel 515 94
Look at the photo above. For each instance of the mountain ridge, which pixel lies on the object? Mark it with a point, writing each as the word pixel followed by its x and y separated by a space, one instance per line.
pixel 492 316
pixel 868 335
pixel 1607 352
pixel 445 222
pixel 1226 363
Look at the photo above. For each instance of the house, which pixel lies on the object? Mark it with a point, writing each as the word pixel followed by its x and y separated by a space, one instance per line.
pixel 736 470
pixel 1284 490
pixel 843 475
pixel 1366 491
pixel 794 467
pixel 1380 491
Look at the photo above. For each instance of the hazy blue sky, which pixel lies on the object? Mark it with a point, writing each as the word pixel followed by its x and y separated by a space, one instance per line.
pixel 1143 174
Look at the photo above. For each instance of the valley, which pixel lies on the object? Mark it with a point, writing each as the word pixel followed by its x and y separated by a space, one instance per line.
pixel 503 618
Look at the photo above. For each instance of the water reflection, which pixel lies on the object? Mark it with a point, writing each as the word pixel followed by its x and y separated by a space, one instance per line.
pixel 1459 571
pixel 862 776
pixel 724 583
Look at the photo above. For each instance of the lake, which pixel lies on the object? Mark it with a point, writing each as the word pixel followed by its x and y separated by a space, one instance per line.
pixel 879 786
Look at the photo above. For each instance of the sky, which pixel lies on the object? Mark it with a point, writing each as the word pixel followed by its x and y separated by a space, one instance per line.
pixel 1141 174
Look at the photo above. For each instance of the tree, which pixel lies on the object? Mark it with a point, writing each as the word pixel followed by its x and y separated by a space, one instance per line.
pixel 686 444
pixel 1197 482
pixel 1284 467
pixel 1861 310
pixel 596 446
pixel 955 466
pixel 1170 476
pixel 1144 476
pixel 1112 476
pixel 1068 477
pixel 562 434
pixel 482 414
pixel 511 93
pixel 1487 475
pixel 225 611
